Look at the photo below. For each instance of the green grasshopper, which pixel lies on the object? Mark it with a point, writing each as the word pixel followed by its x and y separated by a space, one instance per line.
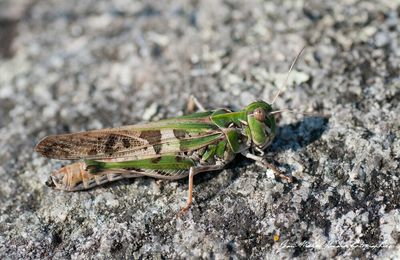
pixel 169 149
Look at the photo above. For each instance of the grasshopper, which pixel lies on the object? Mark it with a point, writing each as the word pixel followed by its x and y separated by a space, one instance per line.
pixel 169 149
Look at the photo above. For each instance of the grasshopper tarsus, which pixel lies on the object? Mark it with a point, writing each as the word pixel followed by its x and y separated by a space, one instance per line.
pixel 182 212
pixel 261 162
pixel 277 172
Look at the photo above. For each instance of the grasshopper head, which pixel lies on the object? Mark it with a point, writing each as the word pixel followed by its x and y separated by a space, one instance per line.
pixel 261 124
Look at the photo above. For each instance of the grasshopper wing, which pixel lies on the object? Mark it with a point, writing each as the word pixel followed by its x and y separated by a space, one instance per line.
pixel 133 142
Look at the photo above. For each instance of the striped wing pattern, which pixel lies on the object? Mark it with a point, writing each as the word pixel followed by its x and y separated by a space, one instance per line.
pixel 133 142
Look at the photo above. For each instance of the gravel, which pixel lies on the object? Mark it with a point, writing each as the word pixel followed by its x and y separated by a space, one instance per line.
pixel 68 66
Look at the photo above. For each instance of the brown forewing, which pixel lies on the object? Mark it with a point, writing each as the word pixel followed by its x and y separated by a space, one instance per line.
pixel 97 144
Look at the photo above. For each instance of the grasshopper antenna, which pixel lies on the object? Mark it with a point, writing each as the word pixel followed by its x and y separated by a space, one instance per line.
pixel 301 113
pixel 288 74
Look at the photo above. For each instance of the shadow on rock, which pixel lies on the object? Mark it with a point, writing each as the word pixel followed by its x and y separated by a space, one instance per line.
pixel 298 135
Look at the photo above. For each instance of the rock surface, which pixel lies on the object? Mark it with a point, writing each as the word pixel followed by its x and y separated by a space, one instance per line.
pixel 69 66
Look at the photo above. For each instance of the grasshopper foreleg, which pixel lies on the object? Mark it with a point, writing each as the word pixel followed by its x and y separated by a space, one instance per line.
pixel 192 172
pixel 261 162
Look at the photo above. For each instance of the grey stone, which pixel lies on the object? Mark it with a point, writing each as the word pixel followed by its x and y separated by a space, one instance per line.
pixel 68 66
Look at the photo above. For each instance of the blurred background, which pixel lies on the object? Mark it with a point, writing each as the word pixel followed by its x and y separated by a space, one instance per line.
pixel 68 66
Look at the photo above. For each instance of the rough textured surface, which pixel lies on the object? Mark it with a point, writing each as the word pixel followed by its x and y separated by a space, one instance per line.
pixel 67 66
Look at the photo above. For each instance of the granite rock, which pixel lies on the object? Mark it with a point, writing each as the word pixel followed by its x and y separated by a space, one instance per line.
pixel 68 66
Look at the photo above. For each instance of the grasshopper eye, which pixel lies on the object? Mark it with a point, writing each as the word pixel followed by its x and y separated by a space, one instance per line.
pixel 259 114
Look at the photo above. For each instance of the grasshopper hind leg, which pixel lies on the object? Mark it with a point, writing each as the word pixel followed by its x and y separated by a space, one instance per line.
pixel 192 172
pixel 194 104
pixel 75 177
